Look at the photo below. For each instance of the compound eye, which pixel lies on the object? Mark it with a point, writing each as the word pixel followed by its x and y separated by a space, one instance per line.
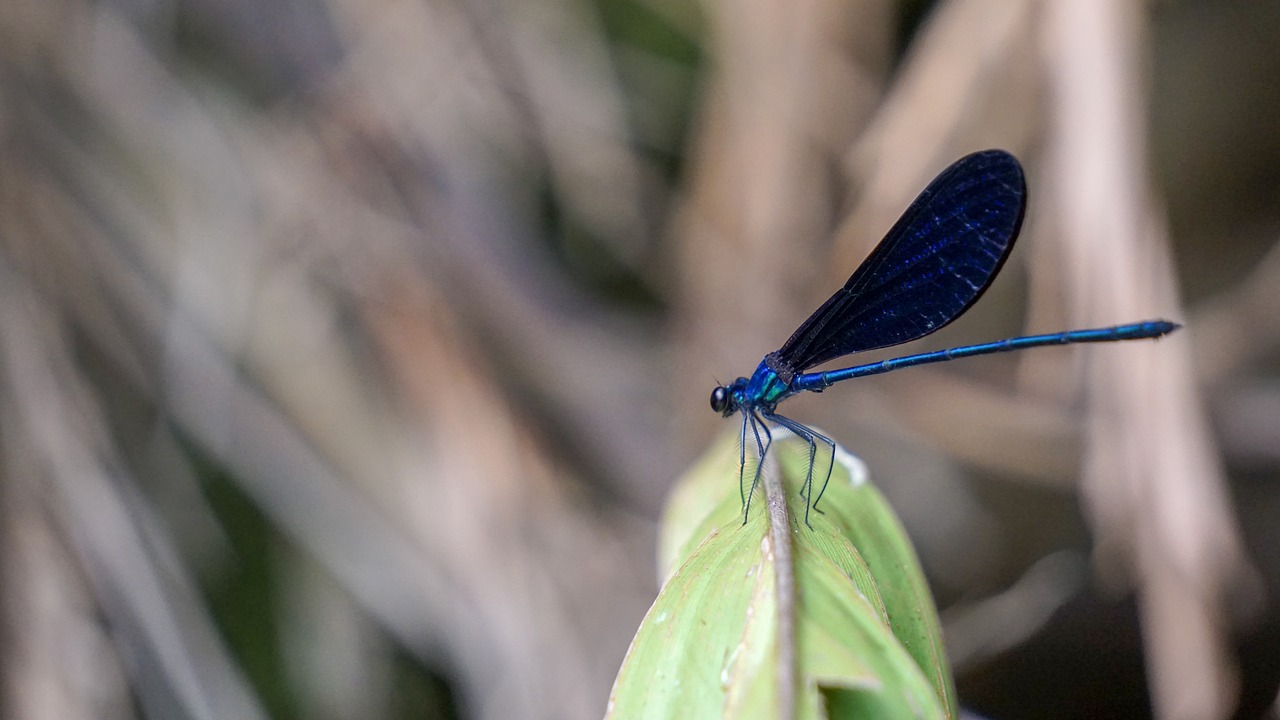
pixel 720 399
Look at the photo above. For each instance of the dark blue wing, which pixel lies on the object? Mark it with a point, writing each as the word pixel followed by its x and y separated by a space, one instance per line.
pixel 935 262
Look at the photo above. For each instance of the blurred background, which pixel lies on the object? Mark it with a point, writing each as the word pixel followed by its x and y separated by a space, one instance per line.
pixel 349 349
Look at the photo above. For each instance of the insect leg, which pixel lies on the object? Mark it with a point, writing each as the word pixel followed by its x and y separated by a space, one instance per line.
pixel 762 447
pixel 807 490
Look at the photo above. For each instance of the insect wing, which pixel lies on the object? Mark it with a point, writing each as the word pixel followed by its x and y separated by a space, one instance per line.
pixel 934 263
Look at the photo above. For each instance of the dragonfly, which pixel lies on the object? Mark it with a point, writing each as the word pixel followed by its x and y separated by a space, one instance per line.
pixel 931 267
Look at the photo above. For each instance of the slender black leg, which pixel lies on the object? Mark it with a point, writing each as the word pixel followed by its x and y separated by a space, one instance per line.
pixel 811 436
pixel 762 447
pixel 800 431
pixel 742 463
pixel 831 465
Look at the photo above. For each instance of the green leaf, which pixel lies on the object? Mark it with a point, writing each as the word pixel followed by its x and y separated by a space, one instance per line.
pixel 866 637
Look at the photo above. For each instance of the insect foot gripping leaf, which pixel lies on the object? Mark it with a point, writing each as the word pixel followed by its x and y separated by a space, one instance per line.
pixel 848 630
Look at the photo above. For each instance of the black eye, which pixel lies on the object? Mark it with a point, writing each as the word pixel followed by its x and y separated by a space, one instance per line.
pixel 719 399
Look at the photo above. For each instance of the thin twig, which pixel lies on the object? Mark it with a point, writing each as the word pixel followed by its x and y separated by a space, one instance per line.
pixel 784 577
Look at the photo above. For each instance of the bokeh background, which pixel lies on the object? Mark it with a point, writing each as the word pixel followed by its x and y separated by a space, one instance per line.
pixel 348 349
